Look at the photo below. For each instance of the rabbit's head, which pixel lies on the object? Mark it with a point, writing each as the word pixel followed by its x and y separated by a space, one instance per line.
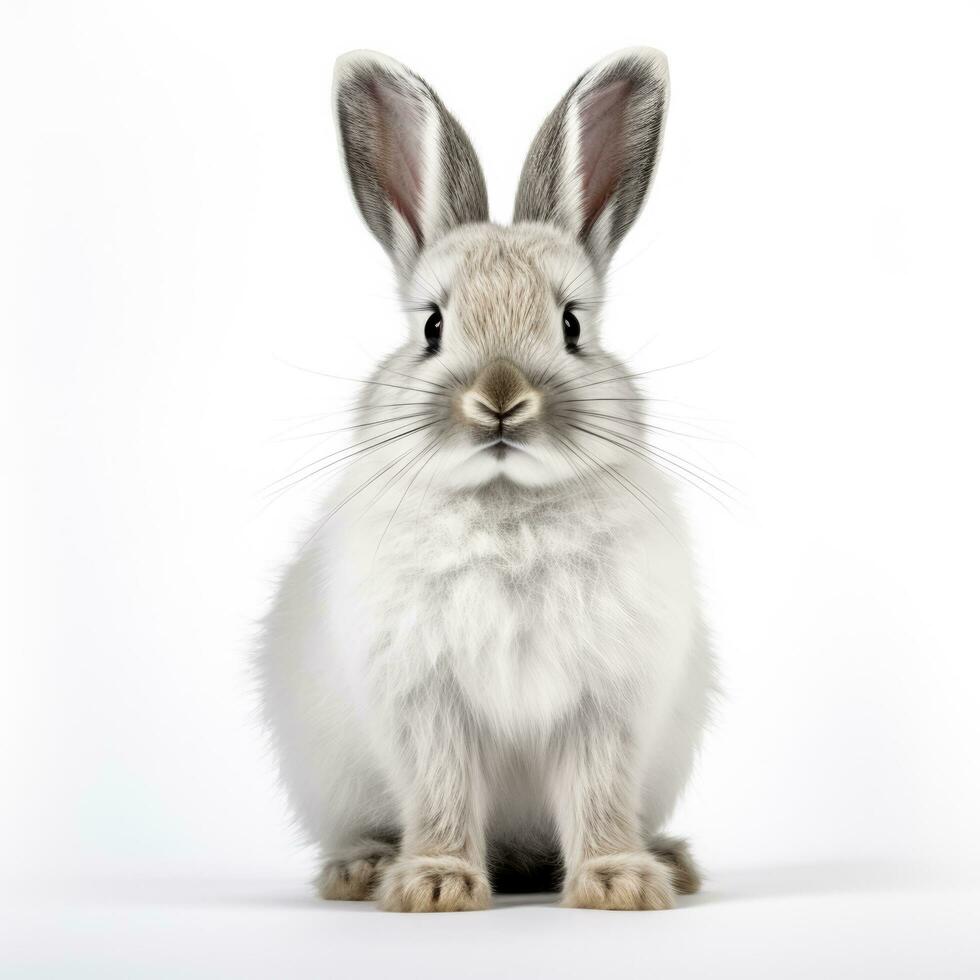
pixel 502 356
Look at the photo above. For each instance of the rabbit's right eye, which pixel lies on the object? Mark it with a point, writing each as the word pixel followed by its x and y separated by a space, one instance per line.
pixel 433 330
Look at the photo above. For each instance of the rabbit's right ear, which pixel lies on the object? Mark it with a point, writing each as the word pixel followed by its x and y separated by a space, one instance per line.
pixel 412 169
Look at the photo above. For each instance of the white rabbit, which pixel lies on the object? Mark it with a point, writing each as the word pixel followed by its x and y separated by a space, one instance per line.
pixel 487 663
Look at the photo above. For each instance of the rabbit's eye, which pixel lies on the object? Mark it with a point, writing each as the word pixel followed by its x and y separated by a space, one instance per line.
pixel 572 329
pixel 433 330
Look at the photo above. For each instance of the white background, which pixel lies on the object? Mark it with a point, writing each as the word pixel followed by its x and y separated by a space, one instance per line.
pixel 176 243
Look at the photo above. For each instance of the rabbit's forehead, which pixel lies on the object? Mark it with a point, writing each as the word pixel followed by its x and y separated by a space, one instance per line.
pixel 516 278
pixel 503 288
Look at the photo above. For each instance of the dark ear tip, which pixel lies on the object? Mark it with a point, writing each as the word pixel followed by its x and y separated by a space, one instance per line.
pixel 364 59
pixel 641 59
pixel 361 65
pixel 646 67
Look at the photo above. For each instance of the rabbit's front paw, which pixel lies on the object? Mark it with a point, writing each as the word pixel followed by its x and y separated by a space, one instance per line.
pixel 434 884
pixel 631 881
pixel 354 876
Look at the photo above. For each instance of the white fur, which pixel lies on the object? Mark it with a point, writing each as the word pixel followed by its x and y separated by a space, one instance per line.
pixel 613 606
pixel 482 637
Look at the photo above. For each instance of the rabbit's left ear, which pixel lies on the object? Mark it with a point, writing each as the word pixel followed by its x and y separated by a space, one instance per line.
pixel 412 169
pixel 592 161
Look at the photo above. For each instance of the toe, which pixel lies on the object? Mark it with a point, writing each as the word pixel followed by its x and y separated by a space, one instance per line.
pixel 628 882
pixel 434 884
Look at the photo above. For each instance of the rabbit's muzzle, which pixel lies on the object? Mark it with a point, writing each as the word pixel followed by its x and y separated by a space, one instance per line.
pixel 500 401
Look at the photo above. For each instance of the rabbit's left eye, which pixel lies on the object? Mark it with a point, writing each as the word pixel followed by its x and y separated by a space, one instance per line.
pixel 433 330
pixel 572 329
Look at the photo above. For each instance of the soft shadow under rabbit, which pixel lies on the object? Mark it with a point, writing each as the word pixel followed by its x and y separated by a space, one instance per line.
pixel 488 662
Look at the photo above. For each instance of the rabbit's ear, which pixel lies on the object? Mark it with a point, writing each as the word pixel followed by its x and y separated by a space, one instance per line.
pixel 412 169
pixel 591 162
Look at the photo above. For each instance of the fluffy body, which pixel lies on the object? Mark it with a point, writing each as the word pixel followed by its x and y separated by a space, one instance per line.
pixel 491 655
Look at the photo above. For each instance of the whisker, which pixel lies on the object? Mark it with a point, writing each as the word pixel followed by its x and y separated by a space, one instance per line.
pixel 634 489
pixel 324 436
pixel 316 416
pixel 342 449
pixel 608 367
pixel 561 285
pixel 355 492
pixel 363 425
pixel 666 464
pixel 692 423
pixel 704 474
pixel 578 469
pixel 443 292
pixel 646 425
pixel 588 271
pixel 640 374
pixel 587 374
pixel 352 409
pixel 435 442
pixel 411 377
pixel 391 480
pixel 636 398
pixel 360 452
pixel 428 486
pixel 365 381
pixel 453 375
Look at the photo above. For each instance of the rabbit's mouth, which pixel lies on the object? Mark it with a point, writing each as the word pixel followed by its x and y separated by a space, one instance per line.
pixel 502 448
pixel 498 450
pixel 499 456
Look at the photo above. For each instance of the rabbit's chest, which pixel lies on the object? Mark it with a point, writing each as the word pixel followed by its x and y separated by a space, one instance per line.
pixel 524 619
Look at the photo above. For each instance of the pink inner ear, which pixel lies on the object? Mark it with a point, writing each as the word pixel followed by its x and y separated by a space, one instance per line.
pixel 401 163
pixel 602 114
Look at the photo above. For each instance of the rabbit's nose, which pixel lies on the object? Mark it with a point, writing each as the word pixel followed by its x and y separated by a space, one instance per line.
pixel 501 395
pixel 484 410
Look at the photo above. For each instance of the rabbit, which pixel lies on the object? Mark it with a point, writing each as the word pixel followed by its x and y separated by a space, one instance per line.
pixel 488 665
